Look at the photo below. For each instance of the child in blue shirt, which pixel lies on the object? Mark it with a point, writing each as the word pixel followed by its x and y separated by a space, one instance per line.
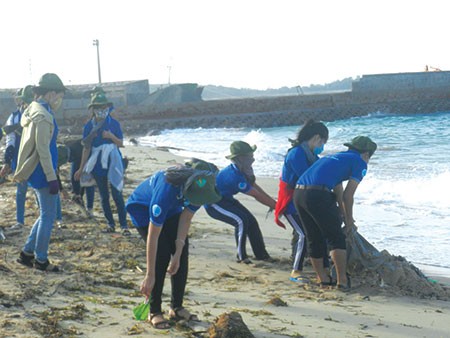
pixel 322 204
pixel 161 208
pixel 235 178
pixel 305 149
pixel 102 159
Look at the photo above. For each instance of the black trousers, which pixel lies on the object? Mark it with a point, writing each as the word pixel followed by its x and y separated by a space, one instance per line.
pixel 166 248
pixel 299 243
pixel 231 211
pixel 321 219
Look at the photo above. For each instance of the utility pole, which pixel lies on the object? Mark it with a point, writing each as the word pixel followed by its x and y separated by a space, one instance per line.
pixel 169 68
pixel 97 43
pixel 30 69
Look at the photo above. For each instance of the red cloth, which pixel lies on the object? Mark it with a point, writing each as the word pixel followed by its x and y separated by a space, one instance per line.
pixel 285 194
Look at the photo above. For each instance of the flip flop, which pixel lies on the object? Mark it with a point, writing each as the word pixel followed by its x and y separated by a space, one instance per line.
pixel 329 284
pixel 299 279
pixel 343 288
pixel 162 324
pixel 176 315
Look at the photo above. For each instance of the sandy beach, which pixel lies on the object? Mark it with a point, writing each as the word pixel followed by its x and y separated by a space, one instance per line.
pixel 99 286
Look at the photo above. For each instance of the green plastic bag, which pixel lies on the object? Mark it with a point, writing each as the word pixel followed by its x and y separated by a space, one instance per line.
pixel 141 311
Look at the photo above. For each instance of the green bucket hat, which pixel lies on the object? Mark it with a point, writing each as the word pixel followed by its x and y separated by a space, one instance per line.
pixel 198 164
pixel 240 148
pixel 51 81
pixel 26 94
pixel 99 99
pixel 200 187
pixel 362 144
pixel 97 89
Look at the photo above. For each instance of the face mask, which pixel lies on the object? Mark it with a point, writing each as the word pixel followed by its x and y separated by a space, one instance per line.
pixel 318 150
pixel 56 104
pixel 101 114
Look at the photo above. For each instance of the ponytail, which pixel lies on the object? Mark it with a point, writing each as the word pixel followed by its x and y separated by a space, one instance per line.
pixel 309 129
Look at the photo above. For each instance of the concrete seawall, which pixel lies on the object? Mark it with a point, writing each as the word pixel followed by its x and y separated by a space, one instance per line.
pixel 404 93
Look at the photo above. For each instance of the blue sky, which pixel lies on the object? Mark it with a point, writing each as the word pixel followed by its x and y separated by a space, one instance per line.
pixel 243 44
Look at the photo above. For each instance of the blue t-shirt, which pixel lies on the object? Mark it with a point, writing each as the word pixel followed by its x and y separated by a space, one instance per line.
pixel 334 169
pixel 16 118
pixel 111 125
pixel 230 181
pixel 163 199
pixel 295 164
pixel 38 180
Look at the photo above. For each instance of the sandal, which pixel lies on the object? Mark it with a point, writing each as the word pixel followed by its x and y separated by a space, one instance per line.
pixel 299 279
pixel 266 258
pixel 126 233
pixel 245 261
pixel 158 321
pixel 26 259
pixel 180 313
pixel 46 266
pixel 328 284
pixel 343 288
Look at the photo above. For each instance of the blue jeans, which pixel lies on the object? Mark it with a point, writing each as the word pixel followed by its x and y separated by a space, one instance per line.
pixel 90 192
pixel 39 237
pixel 58 208
pixel 102 184
pixel 21 196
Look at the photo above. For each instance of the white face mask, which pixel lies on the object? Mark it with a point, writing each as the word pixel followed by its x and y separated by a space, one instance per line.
pixel 101 114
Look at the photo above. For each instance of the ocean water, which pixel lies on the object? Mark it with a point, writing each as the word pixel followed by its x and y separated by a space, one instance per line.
pixel 402 205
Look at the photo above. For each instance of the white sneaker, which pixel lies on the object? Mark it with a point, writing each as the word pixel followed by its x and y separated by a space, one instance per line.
pixel 15 229
pixel 60 224
pixel 17 226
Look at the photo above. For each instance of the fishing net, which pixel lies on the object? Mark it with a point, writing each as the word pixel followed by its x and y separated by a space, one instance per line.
pixel 384 270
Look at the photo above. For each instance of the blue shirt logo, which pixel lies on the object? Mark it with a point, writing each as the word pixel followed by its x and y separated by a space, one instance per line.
pixel 201 182
pixel 364 172
pixel 242 185
pixel 156 210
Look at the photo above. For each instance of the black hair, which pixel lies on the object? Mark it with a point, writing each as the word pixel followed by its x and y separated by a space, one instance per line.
pixel 178 174
pixel 309 129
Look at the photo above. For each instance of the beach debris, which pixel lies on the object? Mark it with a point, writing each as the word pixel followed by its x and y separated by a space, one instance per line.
pixel 277 301
pixel 330 319
pixel 136 329
pixel 383 270
pixel 229 325
pixel 51 320
pixel 4 268
pixel 254 313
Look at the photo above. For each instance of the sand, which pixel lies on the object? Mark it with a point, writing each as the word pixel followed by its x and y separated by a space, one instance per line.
pixel 95 294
